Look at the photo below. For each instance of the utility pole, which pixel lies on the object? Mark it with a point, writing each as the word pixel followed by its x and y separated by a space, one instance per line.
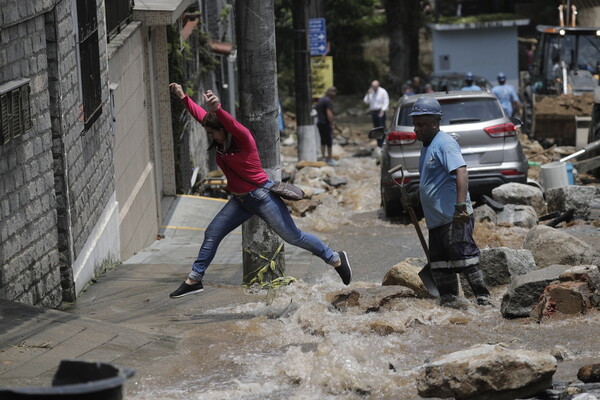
pixel 307 146
pixel 257 71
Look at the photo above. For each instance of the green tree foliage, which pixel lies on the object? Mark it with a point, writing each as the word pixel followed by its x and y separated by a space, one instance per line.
pixel 350 23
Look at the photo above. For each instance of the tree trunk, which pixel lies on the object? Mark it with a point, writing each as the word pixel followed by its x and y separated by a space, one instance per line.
pixel 257 71
pixel 403 24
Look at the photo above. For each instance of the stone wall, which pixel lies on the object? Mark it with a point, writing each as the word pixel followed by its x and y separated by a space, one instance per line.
pixel 57 179
pixel 29 269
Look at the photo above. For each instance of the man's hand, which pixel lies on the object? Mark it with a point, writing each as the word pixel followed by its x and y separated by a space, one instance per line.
pixel 461 215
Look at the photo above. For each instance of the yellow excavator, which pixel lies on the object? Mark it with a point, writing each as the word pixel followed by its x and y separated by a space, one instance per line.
pixel 561 89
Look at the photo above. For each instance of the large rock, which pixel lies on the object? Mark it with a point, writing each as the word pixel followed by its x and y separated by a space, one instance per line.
pixel 370 299
pixel 525 290
pixel 491 372
pixel 406 273
pixel 589 373
pixel 520 193
pixel 579 198
pixel 563 299
pixel 553 246
pixel 485 213
pixel 583 273
pixel 517 215
pixel 500 264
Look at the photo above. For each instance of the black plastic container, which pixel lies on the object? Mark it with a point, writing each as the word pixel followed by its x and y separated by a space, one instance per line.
pixel 77 380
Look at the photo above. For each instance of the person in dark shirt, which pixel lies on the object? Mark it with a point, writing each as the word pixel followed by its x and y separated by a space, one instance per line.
pixel 326 123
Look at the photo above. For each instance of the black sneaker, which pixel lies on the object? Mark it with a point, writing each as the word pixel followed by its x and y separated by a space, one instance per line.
pixel 344 269
pixel 184 289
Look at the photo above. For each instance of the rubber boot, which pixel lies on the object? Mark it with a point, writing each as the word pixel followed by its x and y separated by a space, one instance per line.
pixel 447 284
pixel 475 278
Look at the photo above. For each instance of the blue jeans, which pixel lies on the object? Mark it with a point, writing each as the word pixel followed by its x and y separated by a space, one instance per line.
pixel 271 209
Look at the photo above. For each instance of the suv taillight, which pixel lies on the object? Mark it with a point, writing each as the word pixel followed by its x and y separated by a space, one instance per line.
pixel 395 138
pixel 503 130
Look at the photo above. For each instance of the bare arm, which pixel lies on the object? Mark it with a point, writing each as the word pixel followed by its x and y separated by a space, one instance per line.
pixel 462 184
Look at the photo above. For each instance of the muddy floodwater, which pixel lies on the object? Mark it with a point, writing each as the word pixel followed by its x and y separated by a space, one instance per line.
pixel 293 344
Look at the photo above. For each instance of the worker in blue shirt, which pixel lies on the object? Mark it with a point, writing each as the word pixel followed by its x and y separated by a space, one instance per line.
pixel 469 78
pixel 507 96
pixel 444 197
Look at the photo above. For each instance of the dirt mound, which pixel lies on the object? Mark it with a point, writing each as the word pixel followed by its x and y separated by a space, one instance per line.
pixel 568 104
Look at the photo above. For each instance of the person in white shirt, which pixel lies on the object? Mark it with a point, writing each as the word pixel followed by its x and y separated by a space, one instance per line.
pixel 378 100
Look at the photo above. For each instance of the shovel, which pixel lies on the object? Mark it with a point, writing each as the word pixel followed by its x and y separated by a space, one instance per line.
pixel 425 273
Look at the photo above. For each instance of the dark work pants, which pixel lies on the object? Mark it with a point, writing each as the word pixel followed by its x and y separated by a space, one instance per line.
pixel 377 122
pixel 452 250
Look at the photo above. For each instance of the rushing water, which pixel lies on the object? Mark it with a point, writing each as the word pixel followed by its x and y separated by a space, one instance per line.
pixel 296 345
pixel 301 347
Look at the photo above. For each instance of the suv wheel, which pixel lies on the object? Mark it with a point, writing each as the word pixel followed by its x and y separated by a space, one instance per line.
pixel 391 209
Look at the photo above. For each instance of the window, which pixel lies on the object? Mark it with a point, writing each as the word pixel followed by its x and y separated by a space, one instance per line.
pixel 89 58
pixel 15 110
pixel 118 15
pixel 462 111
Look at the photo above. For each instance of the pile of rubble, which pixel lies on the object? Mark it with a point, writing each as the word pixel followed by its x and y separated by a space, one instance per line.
pixel 552 275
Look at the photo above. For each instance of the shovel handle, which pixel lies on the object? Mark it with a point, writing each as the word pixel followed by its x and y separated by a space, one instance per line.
pixel 396 168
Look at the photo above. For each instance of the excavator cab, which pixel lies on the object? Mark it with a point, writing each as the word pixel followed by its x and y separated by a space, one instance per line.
pixel 566 60
pixel 558 93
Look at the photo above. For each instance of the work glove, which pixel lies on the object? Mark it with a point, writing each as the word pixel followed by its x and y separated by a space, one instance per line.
pixel 461 215
pixel 412 200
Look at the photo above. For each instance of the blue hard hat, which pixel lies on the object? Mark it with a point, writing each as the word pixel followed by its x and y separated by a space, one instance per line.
pixel 469 76
pixel 425 106
pixel 501 77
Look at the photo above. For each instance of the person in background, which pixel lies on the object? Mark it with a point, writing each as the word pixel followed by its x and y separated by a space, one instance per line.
pixel 530 54
pixel 444 197
pixel 378 101
pixel 507 96
pixel 237 156
pixel 416 85
pixel 469 85
pixel 326 123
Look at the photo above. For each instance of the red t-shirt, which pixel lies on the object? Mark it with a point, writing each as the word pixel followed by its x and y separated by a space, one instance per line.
pixel 242 154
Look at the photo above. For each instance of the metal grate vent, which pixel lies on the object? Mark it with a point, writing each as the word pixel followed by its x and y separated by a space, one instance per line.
pixel 15 110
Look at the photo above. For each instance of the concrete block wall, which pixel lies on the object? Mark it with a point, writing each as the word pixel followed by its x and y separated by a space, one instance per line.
pixel 29 259
pixel 57 194
pixel 83 161
pixel 134 169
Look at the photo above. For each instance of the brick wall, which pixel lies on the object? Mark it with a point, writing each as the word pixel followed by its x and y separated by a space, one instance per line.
pixel 83 159
pixel 56 180
pixel 28 234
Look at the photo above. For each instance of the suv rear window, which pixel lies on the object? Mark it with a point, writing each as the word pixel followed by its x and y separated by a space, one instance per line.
pixel 460 111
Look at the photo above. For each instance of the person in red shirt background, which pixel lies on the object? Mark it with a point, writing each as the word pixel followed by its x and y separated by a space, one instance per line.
pixel 237 156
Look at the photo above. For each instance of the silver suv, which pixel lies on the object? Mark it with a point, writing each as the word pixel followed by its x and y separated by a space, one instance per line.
pixel 487 137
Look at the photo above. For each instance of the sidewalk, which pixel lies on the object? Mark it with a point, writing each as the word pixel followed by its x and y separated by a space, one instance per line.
pixel 126 318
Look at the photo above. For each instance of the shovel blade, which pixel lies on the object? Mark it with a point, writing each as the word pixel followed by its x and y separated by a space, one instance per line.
pixel 427 279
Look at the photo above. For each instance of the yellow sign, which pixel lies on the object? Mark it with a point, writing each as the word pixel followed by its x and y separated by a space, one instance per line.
pixel 321 75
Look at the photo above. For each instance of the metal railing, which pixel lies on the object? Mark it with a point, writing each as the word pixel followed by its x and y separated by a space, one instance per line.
pixel 118 15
